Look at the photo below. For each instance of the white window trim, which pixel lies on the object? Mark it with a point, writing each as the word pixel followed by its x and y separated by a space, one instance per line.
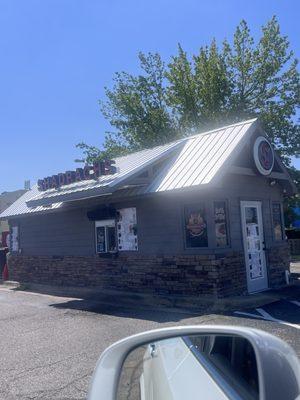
pixel 105 222
pixel 108 223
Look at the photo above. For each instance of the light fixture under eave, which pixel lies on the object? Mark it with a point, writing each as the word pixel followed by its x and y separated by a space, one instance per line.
pixel 273 183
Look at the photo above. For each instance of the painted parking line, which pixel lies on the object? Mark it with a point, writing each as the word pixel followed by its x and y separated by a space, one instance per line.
pixel 247 314
pixel 297 303
pixel 264 315
pixel 268 317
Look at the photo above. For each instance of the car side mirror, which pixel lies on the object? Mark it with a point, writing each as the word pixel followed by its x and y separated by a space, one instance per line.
pixel 209 362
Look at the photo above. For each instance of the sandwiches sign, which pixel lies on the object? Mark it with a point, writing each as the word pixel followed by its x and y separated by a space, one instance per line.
pixel 88 172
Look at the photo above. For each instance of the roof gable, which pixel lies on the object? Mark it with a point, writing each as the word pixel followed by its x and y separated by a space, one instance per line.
pixel 202 157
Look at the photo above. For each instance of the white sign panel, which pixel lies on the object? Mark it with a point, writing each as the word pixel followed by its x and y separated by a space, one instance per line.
pixel 263 155
pixel 14 239
pixel 127 229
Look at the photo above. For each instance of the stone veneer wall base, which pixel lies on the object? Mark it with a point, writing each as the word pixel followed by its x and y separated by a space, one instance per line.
pixel 190 275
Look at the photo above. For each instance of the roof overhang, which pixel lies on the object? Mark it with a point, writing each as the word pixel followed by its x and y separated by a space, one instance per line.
pixel 67 197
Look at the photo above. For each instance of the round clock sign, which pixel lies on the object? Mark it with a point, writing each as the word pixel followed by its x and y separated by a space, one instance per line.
pixel 263 155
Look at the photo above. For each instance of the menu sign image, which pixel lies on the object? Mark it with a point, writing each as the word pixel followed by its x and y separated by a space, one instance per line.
pixel 195 226
pixel 127 229
pixel 221 223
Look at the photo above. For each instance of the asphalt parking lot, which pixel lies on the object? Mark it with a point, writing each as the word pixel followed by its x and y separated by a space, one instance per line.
pixel 49 345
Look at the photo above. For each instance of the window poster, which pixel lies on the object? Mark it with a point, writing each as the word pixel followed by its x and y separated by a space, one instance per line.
pixel 127 229
pixel 195 226
pixel 220 223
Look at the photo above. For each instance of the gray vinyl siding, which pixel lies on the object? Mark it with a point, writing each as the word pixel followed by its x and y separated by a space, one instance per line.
pixel 62 233
pixel 159 221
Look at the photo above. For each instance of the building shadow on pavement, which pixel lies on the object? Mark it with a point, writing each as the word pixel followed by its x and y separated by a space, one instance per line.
pixel 158 308
pixel 163 308
pixel 155 314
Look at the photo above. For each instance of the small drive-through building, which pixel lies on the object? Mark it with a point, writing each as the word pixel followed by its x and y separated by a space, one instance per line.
pixel 199 216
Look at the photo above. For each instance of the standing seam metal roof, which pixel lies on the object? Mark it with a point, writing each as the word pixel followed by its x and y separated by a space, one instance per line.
pixel 200 159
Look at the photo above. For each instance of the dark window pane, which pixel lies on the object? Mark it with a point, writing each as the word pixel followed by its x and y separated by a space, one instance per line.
pixel 111 238
pixel 232 356
pixel 277 221
pixel 221 227
pixel 100 239
pixel 195 226
pixel 251 215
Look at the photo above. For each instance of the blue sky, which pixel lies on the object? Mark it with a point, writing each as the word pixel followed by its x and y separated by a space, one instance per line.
pixel 57 56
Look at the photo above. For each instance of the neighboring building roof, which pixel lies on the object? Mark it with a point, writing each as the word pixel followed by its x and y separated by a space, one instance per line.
pixel 8 198
pixel 191 161
pixel 20 207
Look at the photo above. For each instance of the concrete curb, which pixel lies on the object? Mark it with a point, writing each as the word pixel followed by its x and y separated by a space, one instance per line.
pixel 10 284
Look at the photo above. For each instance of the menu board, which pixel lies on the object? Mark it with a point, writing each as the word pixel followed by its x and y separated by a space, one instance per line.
pixel 127 229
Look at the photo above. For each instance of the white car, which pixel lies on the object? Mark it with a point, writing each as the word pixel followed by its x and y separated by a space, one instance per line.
pixel 198 363
pixel 178 368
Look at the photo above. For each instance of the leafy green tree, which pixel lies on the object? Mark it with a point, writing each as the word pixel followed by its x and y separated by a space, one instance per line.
pixel 136 107
pixel 265 83
pixel 199 90
pixel 290 203
pixel 214 87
